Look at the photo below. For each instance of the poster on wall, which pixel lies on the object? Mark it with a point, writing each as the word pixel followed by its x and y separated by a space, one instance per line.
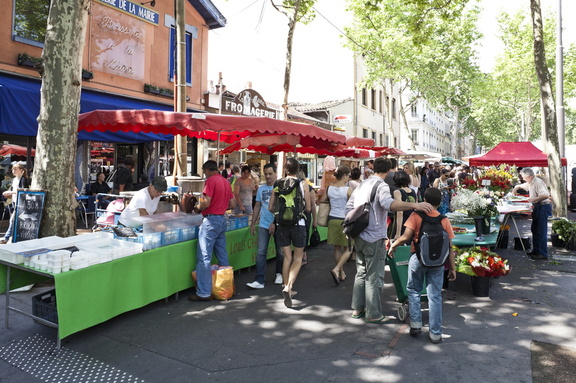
pixel 28 215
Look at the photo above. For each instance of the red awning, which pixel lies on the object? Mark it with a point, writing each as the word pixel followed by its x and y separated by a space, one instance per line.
pixel 17 150
pixel 225 128
pixel 513 153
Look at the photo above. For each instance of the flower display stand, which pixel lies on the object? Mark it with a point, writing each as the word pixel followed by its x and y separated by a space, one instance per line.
pixel 481 286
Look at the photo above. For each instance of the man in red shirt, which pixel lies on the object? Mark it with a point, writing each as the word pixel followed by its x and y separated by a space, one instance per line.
pixel 417 272
pixel 216 198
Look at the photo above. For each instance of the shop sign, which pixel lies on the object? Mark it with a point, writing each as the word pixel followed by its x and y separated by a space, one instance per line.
pixel 342 118
pixel 117 43
pixel 133 9
pixel 249 103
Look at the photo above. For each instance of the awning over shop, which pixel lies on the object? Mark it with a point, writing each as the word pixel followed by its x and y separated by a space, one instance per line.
pixel 20 106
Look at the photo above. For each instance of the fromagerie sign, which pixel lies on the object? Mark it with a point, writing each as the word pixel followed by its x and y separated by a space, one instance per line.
pixel 118 43
pixel 249 103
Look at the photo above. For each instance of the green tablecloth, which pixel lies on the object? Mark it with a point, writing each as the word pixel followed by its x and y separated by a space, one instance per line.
pixel 469 238
pixel 90 296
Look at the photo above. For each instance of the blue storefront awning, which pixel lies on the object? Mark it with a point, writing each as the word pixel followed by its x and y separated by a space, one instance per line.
pixel 20 106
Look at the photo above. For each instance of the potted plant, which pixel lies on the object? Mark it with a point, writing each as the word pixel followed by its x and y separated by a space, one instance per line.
pixel 25 60
pixel 564 233
pixel 152 89
pixel 482 265
pixel 87 75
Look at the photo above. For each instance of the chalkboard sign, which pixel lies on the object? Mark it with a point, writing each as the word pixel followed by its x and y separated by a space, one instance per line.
pixel 28 214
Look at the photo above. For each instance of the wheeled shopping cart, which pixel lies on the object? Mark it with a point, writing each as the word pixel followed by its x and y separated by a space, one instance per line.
pixel 399 270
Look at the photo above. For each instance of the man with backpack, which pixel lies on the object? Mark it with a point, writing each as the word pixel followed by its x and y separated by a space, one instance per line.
pixel 431 249
pixel 288 203
pixel 371 241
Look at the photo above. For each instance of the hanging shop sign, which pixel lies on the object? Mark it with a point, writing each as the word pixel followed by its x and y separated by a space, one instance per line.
pixel 133 9
pixel 249 103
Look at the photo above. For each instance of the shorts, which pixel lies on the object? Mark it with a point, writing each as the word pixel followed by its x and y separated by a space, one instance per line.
pixel 291 235
pixel 335 234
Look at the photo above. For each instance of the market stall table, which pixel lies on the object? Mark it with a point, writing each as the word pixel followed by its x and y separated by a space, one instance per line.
pixel 89 296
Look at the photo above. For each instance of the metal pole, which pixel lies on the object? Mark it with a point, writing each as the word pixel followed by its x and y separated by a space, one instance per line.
pixel 180 142
pixel 560 83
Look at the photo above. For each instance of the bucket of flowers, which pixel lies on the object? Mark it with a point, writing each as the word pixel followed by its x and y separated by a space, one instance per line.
pixel 476 204
pixel 481 264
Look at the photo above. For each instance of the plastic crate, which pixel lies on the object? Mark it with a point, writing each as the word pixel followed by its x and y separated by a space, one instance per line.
pixel 189 233
pixel 171 236
pixel 231 223
pixel 44 306
pixel 241 222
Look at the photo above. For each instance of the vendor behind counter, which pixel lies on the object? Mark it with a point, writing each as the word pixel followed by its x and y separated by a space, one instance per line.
pixel 144 202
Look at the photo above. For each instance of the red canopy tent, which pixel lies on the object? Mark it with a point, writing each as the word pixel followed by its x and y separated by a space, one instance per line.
pixel 216 127
pixel 514 153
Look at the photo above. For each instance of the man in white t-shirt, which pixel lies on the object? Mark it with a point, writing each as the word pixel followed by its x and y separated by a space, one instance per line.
pixel 144 202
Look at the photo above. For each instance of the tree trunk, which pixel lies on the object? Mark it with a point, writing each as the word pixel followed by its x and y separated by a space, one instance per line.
pixel 403 114
pixel 287 72
pixel 549 126
pixel 58 119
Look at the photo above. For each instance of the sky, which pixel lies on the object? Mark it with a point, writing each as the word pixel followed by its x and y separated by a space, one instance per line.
pixel 252 48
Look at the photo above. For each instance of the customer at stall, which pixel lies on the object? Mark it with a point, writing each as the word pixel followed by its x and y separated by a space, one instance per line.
pixel 123 180
pixel 216 198
pixel 294 235
pixel 100 186
pixel 243 190
pixel 371 243
pixel 417 273
pixel 144 202
pixel 142 182
pixel 541 210
pixel 355 180
pixel 20 181
pixel 266 230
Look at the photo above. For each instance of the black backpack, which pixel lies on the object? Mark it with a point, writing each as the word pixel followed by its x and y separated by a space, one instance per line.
pixel 358 218
pixel 289 207
pixel 433 246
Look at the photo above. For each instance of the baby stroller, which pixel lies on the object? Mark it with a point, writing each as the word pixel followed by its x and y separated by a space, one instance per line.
pixel 108 217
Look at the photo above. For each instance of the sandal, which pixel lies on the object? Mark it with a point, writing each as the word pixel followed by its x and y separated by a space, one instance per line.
pixel 361 314
pixel 377 321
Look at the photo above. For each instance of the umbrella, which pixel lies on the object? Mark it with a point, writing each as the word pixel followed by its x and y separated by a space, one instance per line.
pixel 450 160
pixel 18 150
pixel 226 128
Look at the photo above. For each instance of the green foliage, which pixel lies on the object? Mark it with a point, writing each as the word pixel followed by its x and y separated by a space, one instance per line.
pixel 305 11
pixel 30 19
pixel 565 229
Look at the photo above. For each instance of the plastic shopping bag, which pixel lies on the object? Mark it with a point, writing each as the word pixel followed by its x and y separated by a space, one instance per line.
pixel 223 283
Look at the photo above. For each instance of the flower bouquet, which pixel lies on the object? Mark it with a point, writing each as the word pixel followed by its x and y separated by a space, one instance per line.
pixel 481 262
pixel 475 203
pixel 497 179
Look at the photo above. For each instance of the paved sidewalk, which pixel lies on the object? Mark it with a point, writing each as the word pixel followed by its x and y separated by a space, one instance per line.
pixel 254 338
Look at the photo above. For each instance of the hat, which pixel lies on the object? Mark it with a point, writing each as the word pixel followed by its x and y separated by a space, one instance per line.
pixel 160 184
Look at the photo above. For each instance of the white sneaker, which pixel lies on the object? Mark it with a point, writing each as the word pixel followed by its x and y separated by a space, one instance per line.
pixel 255 285
pixel 278 280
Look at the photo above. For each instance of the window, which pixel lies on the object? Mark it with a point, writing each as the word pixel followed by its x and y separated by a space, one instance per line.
pixel 373 99
pixel 394 108
pixel 414 136
pixel 414 110
pixel 30 20
pixel 191 33
pixel 364 133
pixel 374 136
pixel 380 101
pixel 364 95
pixel 381 140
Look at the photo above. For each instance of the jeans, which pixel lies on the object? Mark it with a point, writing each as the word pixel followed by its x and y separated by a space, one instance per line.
pixel 10 226
pixel 540 214
pixel 434 279
pixel 263 239
pixel 211 238
pixel 369 279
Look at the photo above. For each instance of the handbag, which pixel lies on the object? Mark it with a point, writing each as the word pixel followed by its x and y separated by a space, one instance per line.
pixel 322 215
pixel 314 238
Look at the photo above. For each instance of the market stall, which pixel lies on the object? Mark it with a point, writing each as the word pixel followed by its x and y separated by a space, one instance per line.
pixel 92 295
pixel 513 153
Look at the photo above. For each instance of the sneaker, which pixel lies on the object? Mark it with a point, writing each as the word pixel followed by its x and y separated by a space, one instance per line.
pixel 435 341
pixel 278 280
pixel 415 331
pixel 539 256
pixel 255 285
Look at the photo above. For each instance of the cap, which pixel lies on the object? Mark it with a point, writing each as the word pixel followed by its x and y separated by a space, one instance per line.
pixel 160 184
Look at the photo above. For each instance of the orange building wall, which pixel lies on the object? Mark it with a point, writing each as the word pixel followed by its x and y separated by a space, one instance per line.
pixel 156 52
